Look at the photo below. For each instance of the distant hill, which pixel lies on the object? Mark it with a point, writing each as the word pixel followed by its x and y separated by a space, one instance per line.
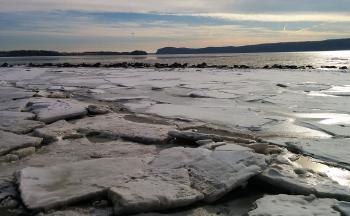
pixel 15 53
pixel 326 45
pixel 23 53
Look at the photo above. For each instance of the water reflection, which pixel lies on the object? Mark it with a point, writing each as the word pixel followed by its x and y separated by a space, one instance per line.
pixel 316 59
pixel 320 94
pixel 339 175
pixel 327 118
pixel 343 54
pixel 338 90
pixel 290 129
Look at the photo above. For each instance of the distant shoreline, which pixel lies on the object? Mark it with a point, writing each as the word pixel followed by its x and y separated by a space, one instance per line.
pixel 284 47
pixel 47 53
pixel 305 46
pixel 164 55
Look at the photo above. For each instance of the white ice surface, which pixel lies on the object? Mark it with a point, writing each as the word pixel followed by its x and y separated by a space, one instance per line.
pixel 245 99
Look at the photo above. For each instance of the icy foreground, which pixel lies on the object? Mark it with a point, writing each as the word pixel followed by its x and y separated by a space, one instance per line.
pixel 79 141
pixel 299 205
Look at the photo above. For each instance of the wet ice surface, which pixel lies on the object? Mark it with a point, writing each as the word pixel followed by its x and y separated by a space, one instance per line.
pixel 309 105
pixel 342 176
pixel 305 111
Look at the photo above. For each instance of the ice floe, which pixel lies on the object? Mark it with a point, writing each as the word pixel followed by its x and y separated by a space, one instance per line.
pixel 298 205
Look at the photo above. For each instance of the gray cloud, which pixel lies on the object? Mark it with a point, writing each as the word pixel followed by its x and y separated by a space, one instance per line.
pixel 89 25
pixel 279 6
pixel 181 6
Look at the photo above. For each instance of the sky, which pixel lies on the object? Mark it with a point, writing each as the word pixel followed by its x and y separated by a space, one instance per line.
pixel 126 25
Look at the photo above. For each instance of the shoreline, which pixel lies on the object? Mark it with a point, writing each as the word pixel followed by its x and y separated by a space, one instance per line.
pixel 171 66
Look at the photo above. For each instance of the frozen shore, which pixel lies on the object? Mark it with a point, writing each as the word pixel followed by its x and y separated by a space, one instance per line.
pixel 183 141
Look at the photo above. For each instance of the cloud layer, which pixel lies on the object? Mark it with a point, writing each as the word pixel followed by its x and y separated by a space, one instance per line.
pixel 140 24
pixel 180 6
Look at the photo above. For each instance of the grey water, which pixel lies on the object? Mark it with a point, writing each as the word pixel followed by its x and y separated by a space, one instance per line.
pixel 316 59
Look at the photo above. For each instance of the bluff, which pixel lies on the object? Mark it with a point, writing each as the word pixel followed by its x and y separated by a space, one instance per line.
pixel 326 45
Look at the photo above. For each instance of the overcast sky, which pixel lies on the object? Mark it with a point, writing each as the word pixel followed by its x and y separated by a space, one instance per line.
pixel 124 25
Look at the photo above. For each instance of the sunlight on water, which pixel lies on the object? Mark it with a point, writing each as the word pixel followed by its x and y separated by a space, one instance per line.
pixel 327 118
pixel 339 54
pixel 316 59
pixel 339 89
pixel 320 94
pixel 341 176
pixel 290 129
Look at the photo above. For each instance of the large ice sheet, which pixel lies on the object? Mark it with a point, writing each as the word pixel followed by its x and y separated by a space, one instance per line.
pixel 116 125
pixel 11 141
pixel 50 110
pixel 248 99
pixel 214 173
pixel 57 186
